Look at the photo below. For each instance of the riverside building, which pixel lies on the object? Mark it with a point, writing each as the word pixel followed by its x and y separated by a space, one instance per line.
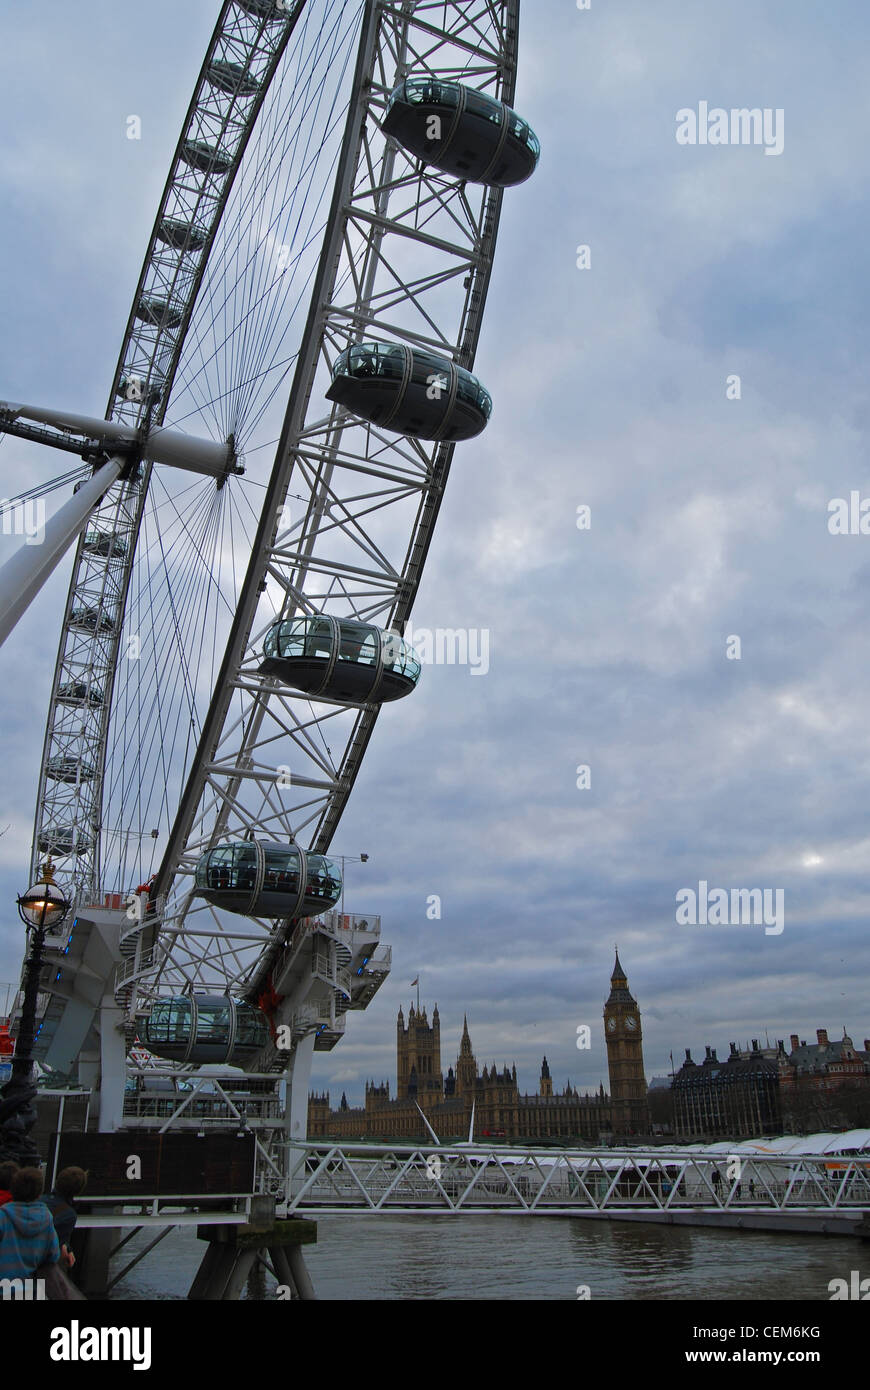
pixel 770 1090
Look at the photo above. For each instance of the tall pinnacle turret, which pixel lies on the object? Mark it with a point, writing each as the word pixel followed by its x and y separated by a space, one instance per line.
pixel 619 991
pixel 546 1079
pixel 466 1066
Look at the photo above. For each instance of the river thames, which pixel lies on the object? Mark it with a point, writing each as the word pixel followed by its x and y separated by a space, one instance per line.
pixel 548 1258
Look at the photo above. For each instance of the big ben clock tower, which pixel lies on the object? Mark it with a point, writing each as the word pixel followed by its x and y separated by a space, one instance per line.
pixel 624 1038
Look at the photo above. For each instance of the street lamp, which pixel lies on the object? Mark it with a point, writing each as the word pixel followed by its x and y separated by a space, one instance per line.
pixel 348 859
pixel 42 908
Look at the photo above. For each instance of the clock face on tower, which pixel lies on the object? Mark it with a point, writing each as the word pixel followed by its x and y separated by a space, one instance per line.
pixel 631 1023
pixel 611 1025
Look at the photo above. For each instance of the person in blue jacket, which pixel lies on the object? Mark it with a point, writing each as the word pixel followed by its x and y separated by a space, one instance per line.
pixel 27 1235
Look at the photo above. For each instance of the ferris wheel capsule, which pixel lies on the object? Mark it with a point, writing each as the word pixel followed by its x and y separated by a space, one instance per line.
pixel 272 11
pixel 257 878
pixel 341 659
pixel 410 390
pixel 208 159
pixel 183 236
pixel 138 388
pixel 92 620
pixel 205 1028
pixel 68 769
pixel 462 131
pixel 79 693
pixel 63 840
pixel 232 77
pixel 109 544
pixel 160 313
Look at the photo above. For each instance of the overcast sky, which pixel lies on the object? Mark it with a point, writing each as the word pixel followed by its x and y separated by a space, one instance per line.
pixel 709 520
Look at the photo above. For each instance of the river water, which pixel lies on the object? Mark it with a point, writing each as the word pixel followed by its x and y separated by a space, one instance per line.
pixel 538 1257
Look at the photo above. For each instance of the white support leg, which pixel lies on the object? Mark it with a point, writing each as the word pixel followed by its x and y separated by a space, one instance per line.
pixel 112 1065
pixel 25 572
pixel 296 1105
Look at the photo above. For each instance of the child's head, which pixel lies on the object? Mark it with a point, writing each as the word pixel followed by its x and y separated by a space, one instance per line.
pixel 70 1182
pixel 26 1185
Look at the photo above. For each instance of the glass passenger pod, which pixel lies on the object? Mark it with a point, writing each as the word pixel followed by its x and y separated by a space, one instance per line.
pixel 205 1028
pixel 340 659
pixel 65 769
pixel 410 390
pixel 462 132
pixel 138 388
pixel 258 878
pixel 208 159
pixel 232 78
pixel 109 544
pixel 78 693
pixel 273 11
pixel 63 839
pixel 181 235
pixel 158 312
pixel 91 619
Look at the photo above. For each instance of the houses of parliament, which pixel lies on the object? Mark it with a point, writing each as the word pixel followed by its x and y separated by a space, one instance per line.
pixel 499 1109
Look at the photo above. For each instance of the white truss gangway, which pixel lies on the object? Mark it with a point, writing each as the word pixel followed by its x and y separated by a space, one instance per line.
pixel 827 1193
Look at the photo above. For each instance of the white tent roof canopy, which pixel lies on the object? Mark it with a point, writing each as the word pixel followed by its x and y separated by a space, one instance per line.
pixel 852 1141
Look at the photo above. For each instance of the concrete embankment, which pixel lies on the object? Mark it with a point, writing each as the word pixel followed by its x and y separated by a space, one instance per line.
pixel 819 1223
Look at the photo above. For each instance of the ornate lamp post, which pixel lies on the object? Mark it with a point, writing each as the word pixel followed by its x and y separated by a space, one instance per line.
pixel 42 908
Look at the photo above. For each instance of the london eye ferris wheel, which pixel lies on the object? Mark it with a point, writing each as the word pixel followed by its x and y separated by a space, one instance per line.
pixel 295 374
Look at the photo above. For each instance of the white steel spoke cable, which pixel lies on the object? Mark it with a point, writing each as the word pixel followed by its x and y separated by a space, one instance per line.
pixel 254 375
pixel 256 289
pixel 253 449
pixel 206 321
pixel 255 296
pixel 245 422
pixel 283 365
pixel 193 601
pixel 154 699
pixel 209 497
pixel 135 724
pixel 275 127
pixel 8 504
pixel 197 587
pixel 165 548
pixel 240 495
pixel 197 630
pixel 268 305
pixel 235 232
pixel 300 189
